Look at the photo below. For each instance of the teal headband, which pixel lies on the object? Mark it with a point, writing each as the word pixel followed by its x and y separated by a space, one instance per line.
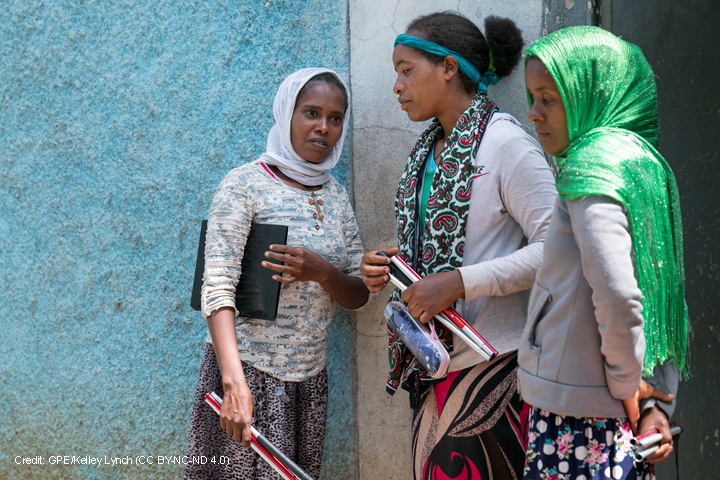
pixel 467 68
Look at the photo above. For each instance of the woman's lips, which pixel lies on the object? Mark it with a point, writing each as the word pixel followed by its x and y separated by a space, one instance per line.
pixel 318 143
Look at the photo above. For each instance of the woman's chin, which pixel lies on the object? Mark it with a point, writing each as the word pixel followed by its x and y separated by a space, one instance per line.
pixel 314 154
pixel 552 148
pixel 418 117
pixel 316 159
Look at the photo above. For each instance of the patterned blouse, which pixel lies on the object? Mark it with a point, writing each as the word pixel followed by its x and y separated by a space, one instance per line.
pixel 293 347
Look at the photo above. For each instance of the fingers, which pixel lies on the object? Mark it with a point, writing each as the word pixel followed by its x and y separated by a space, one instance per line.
pixel 273 266
pixel 291 273
pixel 632 410
pixel 654 392
pixel 246 436
pixel 646 391
pixel 286 249
pixel 375 280
pixel 426 317
pixel 655 418
pixel 238 431
pixel 372 257
pixel 236 414
pixel 661 454
pixel 407 297
pixel 374 270
pixel 286 280
pixel 415 307
pixel 280 257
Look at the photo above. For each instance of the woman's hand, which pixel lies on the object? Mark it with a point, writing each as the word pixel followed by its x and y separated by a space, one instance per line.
pixel 237 411
pixel 433 294
pixel 652 419
pixel 301 265
pixel 237 408
pixel 374 270
pixel 632 404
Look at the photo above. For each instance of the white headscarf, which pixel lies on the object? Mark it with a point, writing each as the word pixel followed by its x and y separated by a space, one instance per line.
pixel 280 151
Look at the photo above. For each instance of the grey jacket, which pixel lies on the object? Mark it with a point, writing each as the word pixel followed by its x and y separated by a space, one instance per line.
pixel 583 345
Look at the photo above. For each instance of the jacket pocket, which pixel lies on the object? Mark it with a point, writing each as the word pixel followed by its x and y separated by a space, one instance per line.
pixel 530 351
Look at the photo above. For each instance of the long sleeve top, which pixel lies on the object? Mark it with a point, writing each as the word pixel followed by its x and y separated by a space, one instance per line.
pixel 513 194
pixel 293 347
pixel 583 347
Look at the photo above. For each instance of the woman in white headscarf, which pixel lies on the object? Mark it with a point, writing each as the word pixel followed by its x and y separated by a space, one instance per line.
pixel 273 373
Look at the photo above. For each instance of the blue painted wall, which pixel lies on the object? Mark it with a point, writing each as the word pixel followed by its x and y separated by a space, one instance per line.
pixel 117 121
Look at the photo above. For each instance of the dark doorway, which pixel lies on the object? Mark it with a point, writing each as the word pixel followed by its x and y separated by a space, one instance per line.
pixel 681 41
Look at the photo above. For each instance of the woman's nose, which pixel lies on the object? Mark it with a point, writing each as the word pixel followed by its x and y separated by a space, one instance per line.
pixel 321 125
pixel 533 114
pixel 398 87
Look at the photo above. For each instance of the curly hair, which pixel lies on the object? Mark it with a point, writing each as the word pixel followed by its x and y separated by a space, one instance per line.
pixel 455 32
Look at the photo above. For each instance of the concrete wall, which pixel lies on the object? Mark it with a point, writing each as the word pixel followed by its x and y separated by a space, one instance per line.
pixel 117 121
pixel 383 137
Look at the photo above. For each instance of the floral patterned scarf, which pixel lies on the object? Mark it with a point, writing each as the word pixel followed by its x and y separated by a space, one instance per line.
pixel 440 246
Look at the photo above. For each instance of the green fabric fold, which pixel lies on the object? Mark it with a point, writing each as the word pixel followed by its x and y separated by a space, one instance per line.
pixel 610 98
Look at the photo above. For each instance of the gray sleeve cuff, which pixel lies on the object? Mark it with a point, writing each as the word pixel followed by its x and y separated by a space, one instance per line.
pixel 665 378
pixel 646 404
pixel 476 280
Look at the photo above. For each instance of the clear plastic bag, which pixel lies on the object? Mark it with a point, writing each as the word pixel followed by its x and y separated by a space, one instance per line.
pixel 422 341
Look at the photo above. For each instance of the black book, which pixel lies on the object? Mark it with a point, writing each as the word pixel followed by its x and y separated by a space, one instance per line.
pixel 256 294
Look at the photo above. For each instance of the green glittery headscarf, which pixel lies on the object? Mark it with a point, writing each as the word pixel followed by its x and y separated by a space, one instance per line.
pixel 610 98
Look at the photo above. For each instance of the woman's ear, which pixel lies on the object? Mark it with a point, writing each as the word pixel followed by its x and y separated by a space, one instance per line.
pixel 451 66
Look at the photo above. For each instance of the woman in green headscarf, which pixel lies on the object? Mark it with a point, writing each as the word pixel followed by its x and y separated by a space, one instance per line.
pixel 608 305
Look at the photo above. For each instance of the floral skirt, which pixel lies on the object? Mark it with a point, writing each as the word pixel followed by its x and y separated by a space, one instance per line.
pixel 565 448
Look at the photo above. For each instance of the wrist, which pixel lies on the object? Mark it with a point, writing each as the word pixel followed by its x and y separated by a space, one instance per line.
pixel 654 410
pixel 326 273
pixel 458 285
pixel 235 384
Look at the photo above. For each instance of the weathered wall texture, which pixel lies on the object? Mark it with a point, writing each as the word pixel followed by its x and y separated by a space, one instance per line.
pixel 382 140
pixel 117 121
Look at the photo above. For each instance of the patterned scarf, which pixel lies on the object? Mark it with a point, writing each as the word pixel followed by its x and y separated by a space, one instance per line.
pixel 441 243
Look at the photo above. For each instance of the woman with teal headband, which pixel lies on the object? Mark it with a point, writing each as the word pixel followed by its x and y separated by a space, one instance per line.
pixel 472 210
pixel 608 305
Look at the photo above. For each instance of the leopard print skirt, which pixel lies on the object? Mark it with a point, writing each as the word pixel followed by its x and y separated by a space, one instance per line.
pixel 295 425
